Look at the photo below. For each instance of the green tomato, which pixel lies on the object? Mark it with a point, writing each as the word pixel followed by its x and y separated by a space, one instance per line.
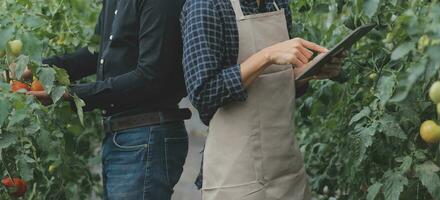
pixel 423 42
pixel 438 109
pixel 15 46
pixel 389 38
pixel 52 168
pixel 434 92
pixel 373 76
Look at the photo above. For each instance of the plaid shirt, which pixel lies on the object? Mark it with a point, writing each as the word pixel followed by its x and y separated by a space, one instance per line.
pixel 210 54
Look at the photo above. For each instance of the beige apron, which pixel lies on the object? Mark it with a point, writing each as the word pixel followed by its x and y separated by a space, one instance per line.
pixel 251 151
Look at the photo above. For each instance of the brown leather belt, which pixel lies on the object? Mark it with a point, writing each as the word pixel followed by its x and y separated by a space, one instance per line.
pixel 114 124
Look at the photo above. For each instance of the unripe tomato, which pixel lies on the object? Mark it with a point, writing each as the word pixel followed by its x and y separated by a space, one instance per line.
pixel 15 186
pixel 373 76
pixel 438 109
pixel 15 46
pixel 17 86
pixel 37 86
pixel 430 131
pixel 51 168
pixel 60 40
pixel 389 38
pixel 423 42
pixel 434 92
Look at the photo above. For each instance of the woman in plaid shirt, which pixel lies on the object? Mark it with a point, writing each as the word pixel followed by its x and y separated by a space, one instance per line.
pixel 239 68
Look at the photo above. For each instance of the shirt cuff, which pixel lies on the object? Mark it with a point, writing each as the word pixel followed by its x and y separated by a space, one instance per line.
pixel 232 76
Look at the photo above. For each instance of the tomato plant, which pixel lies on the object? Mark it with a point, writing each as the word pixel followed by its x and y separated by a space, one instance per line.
pixel 360 133
pixel 52 148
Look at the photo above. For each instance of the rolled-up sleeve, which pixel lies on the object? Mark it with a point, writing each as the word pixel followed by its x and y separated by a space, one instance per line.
pixel 210 84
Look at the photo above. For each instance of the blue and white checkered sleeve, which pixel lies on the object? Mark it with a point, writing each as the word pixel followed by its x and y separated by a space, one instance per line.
pixel 210 85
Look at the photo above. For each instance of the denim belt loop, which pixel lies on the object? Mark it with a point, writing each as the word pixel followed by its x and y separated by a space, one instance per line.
pixel 108 123
pixel 161 117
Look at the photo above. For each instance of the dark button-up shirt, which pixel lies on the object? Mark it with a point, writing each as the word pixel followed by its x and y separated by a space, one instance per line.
pixel 139 62
pixel 210 38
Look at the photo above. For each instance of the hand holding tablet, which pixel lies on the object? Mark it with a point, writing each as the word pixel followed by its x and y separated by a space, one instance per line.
pixel 321 60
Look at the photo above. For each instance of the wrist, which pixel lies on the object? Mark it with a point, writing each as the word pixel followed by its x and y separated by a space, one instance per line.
pixel 266 54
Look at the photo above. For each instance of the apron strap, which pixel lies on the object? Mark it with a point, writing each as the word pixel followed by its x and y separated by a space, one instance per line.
pixel 237 9
pixel 236 5
pixel 276 5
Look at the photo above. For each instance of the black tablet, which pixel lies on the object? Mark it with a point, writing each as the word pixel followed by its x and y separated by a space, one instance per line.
pixel 320 60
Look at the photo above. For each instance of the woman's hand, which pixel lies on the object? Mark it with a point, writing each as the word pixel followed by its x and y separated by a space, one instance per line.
pixel 297 52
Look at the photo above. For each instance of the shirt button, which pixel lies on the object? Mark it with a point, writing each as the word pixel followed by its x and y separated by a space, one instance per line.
pixel 116 12
pixel 104 112
pixel 101 61
pixel 111 37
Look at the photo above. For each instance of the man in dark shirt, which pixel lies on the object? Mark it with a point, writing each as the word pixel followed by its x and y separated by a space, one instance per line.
pixel 139 85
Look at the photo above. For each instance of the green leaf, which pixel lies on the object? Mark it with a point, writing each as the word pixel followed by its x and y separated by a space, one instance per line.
pixel 6 34
pixel 5 108
pixel 391 127
pixel 393 185
pixel 406 84
pixel 367 134
pixel 16 117
pixel 79 108
pixel 7 140
pixel 363 113
pixel 22 63
pixel 25 158
pixel 402 50
pixel 57 93
pixel 24 167
pixel 33 46
pixel 46 75
pixel 62 76
pixel 374 190
pixel 322 8
pixel 427 173
pixel 433 53
pixel 93 45
pixel 406 164
pixel 370 7
pixel 385 89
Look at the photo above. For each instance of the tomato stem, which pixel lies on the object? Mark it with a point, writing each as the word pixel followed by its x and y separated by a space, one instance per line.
pixel 6 167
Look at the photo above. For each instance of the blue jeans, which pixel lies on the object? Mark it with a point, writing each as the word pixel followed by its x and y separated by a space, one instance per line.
pixel 144 163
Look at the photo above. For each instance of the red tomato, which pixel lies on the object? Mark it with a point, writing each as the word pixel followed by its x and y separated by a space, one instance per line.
pixel 15 186
pixel 17 85
pixel 37 86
